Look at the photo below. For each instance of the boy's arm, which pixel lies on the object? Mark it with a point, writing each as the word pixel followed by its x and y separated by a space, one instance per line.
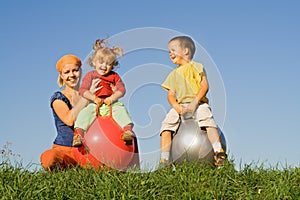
pixel 203 88
pixel 173 102
pixel 201 93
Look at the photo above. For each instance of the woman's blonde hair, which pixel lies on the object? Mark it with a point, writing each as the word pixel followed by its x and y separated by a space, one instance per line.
pixel 104 54
pixel 60 81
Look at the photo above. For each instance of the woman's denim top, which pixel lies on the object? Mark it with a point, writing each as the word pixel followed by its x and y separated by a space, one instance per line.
pixel 65 133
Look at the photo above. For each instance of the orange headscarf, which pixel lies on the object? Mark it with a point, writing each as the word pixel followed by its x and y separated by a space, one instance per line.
pixel 67 59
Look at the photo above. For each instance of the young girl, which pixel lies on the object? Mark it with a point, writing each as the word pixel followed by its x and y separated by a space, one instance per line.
pixel 111 89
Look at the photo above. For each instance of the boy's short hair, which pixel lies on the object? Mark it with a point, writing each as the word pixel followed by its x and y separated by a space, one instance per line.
pixel 186 42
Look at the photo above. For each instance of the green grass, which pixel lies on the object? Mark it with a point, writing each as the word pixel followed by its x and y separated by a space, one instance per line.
pixel 188 181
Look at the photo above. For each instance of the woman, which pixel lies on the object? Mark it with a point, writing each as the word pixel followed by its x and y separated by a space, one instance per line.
pixel 65 105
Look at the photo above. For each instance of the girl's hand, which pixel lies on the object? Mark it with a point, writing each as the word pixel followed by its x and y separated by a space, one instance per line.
pixel 108 101
pixel 98 101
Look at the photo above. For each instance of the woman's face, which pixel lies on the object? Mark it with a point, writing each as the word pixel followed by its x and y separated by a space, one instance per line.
pixel 70 74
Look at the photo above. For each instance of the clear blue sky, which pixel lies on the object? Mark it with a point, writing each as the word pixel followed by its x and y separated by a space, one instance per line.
pixel 253 44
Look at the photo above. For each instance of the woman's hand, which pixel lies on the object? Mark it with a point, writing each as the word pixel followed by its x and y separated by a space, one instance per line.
pixel 94 88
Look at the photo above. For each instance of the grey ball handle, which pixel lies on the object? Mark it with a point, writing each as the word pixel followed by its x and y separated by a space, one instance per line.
pixel 187 116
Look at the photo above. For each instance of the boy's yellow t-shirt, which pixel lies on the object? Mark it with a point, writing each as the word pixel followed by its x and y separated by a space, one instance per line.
pixel 184 81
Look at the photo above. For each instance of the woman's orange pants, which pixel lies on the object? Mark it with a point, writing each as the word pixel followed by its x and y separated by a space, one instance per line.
pixel 62 157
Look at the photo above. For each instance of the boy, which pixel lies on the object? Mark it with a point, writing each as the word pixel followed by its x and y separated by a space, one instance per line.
pixel 187 87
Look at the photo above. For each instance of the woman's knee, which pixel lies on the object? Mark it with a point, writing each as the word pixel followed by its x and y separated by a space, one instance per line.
pixel 48 159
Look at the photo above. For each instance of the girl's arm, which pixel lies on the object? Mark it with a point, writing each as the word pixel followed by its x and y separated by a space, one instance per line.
pixel 113 98
pixel 118 92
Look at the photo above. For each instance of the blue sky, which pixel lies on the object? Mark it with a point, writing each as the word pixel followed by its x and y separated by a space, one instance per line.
pixel 253 47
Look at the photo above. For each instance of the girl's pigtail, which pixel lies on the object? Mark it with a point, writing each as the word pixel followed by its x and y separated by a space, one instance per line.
pixel 100 43
pixel 118 51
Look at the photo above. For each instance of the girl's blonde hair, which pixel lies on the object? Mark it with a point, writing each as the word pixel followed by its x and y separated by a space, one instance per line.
pixel 104 54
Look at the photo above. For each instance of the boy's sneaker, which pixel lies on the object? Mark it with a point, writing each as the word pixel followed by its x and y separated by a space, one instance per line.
pixel 127 137
pixel 163 163
pixel 220 158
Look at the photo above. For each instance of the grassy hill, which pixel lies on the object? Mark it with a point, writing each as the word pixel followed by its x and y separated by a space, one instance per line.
pixel 187 181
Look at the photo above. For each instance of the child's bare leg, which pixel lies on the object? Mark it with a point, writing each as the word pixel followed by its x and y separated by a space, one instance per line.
pixel 213 135
pixel 165 145
pixel 214 138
